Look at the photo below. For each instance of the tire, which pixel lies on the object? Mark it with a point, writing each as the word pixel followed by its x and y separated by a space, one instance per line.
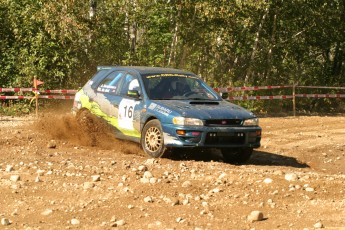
pixel 236 156
pixel 152 139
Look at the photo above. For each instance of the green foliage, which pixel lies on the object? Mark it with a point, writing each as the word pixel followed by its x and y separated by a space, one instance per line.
pixel 227 43
pixel 15 108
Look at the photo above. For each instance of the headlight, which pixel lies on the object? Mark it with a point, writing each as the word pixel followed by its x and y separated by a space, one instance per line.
pixel 251 122
pixel 187 121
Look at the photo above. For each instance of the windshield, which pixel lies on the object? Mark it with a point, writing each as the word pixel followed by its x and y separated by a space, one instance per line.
pixel 177 87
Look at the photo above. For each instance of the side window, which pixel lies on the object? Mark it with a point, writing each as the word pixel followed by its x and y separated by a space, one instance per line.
pixel 95 79
pixel 110 84
pixel 130 83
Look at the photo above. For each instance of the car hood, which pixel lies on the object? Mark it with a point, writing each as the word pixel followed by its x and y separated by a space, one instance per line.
pixel 203 109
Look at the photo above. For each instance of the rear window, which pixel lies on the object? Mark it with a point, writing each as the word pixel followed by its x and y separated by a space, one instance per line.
pixel 97 77
pixel 110 84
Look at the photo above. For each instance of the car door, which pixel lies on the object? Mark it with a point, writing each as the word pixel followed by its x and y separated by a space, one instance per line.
pixel 117 106
pixel 130 106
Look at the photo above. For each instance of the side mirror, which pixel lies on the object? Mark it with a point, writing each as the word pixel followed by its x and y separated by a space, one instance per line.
pixel 224 95
pixel 133 93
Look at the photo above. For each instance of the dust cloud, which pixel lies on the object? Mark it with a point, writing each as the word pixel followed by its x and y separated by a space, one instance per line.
pixel 84 129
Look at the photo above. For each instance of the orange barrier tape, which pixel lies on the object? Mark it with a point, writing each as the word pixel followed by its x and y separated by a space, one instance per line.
pixel 321 95
pixel 228 89
pixel 14 97
pixel 56 97
pixel 243 98
pixel 16 89
pixel 65 91
pixel 277 97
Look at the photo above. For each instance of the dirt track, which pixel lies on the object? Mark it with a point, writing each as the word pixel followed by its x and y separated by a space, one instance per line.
pixel 296 179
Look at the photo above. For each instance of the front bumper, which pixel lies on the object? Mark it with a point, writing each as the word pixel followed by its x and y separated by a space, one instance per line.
pixel 211 137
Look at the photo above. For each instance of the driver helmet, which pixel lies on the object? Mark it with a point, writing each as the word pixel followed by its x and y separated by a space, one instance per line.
pixel 134 85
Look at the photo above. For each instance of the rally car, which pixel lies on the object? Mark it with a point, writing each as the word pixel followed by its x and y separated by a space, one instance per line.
pixel 167 109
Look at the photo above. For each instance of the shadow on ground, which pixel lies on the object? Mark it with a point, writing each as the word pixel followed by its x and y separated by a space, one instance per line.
pixel 258 158
pixel 272 159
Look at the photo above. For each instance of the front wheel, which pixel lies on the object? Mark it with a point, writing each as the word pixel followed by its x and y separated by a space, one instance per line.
pixel 237 156
pixel 152 139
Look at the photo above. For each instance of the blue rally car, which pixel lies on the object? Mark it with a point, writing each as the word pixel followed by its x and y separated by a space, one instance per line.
pixel 166 109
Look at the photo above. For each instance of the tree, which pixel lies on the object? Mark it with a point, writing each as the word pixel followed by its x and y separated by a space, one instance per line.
pixel 252 42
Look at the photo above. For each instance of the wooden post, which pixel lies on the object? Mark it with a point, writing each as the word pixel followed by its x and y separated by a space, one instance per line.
pixel 294 99
pixel 36 95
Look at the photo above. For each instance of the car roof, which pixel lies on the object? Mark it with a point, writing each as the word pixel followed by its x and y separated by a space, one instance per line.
pixel 146 69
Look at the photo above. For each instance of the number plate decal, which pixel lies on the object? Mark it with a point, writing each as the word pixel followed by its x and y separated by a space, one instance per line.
pixel 126 113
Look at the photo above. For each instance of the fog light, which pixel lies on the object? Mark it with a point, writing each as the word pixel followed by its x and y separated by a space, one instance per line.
pixel 181 132
pixel 195 134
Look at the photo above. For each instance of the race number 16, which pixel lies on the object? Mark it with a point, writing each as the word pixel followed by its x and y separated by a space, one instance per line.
pixel 126 114
pixel 128 111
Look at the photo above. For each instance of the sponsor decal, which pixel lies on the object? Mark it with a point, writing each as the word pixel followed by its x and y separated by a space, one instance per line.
pixel 171 75
pixel 152 106
pixel 160 109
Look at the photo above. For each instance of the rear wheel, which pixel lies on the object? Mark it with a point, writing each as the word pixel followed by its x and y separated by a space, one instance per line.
pixel 152 139
pixel 237 156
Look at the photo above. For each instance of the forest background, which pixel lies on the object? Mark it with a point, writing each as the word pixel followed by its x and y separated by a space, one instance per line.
pixel 226 42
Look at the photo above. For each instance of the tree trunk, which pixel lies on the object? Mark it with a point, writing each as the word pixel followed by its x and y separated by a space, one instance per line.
pixel 269 56
pixel 249 71
pixel 173 47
